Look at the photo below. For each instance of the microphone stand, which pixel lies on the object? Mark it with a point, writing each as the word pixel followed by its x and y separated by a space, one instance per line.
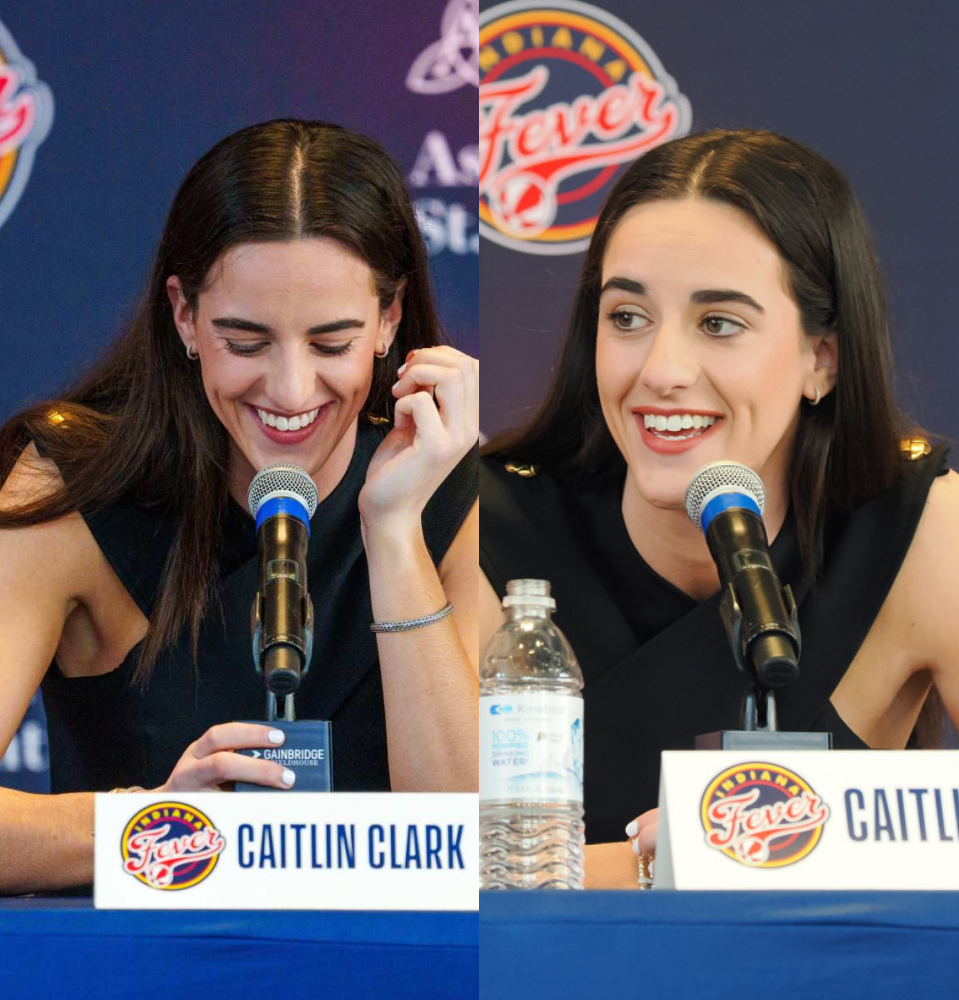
pixel 759 719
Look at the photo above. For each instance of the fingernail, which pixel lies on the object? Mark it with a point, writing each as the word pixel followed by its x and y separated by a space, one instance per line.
pixel 410 355
pixel 401 369
pixel 277 736
pixel 632 829
pixel 636 846
pixel 288 777
pixel 395 384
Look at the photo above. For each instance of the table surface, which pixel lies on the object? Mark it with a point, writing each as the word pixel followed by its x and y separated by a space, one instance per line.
pixel 818 945
pixel 48 945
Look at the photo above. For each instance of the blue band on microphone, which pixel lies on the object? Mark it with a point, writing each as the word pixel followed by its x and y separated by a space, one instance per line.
pixel 283 505
pixel 731 500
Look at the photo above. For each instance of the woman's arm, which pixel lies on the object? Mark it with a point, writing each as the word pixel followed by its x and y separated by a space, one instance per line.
pixel 47 572
pixel 429 673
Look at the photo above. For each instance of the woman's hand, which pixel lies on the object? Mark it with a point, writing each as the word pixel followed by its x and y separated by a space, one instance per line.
pixel 436 423
pixel 209 763
pixel 642 832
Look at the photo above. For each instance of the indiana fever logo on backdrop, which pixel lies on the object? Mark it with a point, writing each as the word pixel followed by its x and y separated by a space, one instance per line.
pixel 568 95
pixel 26 113
pixel 762 815
pixel 170 845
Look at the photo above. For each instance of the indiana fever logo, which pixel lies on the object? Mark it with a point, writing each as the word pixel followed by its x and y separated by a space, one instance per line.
pixel 568 95
pixel 26 113
pixel 170 846
pixel 762 815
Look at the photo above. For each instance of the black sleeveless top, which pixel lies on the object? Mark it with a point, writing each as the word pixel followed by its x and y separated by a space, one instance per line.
pixel 656 663
pixel 105 732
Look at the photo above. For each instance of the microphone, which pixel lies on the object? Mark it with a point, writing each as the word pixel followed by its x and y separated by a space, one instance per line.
pixel 725 500
pixel 282 498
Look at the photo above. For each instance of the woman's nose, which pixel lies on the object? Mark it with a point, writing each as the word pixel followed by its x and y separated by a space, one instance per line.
pixel 291 382
pixel 671 363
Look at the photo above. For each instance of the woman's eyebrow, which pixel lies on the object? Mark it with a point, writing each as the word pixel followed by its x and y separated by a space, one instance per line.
pixel 624 285
pixel 710 296
pixel 248 326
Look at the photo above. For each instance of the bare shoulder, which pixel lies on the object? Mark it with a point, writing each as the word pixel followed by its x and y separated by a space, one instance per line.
pixel 925 596
pixel 934 553
pixel 63 546
pixel 32 478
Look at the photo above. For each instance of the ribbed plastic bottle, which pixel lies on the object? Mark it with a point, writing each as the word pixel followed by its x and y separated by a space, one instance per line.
pixel 531 749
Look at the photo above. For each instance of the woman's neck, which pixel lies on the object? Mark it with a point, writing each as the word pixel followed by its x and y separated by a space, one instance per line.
pixel 673 547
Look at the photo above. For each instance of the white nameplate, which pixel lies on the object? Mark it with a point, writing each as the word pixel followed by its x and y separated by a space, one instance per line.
pixel 290 851
pixel 842 819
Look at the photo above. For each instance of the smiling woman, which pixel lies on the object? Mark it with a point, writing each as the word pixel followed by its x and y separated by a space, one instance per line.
pixel 288 320
pixel 731 308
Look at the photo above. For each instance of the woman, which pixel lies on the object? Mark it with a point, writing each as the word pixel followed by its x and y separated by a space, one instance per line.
pixel 288 319
pixel 731 307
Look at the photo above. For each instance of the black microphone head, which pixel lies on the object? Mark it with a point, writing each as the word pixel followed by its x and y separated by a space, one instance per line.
pixel 722 477
pixel 282 481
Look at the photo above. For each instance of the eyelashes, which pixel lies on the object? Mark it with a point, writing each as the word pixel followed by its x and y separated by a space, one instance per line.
pixel 326 350
pixel 717 326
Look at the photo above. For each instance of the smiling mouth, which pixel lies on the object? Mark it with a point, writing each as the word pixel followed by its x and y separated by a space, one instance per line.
pixel 677 426
pixel 293 423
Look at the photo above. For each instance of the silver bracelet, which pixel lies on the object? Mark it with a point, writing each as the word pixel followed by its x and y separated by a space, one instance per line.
pixel 412 623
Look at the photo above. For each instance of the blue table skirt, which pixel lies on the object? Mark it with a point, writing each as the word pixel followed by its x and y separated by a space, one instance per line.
pixel 53 948
pixel 770 945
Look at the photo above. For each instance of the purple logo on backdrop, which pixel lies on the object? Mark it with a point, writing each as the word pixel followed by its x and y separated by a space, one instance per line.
pixel 26 113
pixel 448 221
pixel 452 62
pixel 569 95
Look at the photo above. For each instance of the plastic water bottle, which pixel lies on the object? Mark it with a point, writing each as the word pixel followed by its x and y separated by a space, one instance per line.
pixel 531 749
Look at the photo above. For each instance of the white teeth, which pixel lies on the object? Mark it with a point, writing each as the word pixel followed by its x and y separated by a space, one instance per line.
pixel 287 423
pixel 676 422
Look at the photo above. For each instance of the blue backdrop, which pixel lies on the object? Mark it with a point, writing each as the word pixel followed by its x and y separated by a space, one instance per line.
pixel 104 107
pixel 869 85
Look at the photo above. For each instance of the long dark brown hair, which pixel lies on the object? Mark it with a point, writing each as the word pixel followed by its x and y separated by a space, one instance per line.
pixel 846 449
pixel 138 425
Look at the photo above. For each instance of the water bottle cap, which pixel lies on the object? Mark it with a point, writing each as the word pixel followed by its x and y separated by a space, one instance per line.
pixel 529 600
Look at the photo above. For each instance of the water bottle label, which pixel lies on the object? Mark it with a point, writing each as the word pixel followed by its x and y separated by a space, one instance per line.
pixel 531 747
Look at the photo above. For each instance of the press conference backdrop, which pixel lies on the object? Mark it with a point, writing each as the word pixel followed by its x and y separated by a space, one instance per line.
pixel 869 85
pixel 103 109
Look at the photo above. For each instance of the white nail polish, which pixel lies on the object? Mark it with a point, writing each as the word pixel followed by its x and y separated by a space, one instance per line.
pixel 276 736
pixel 401 369
pixel 288 777
pixel 636 846
pixel 632 829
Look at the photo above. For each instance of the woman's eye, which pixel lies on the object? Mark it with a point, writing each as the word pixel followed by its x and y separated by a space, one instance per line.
pixel 622 319
pixel 720 326
pixel 243 349
pixel 333 350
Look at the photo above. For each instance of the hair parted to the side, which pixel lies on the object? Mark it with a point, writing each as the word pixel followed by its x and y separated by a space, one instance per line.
pixel 138 425
pixel 847 448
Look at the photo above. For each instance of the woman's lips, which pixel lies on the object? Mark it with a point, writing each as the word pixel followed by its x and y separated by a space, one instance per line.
pixel 289 437
pixel 673 442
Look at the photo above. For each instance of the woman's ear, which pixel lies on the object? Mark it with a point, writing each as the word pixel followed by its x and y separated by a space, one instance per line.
pixel 826 367
pixel 182 313
pixel 390 318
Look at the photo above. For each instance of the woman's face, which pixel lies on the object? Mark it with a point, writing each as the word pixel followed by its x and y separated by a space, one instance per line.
pixel 700 354
pixel 286 334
